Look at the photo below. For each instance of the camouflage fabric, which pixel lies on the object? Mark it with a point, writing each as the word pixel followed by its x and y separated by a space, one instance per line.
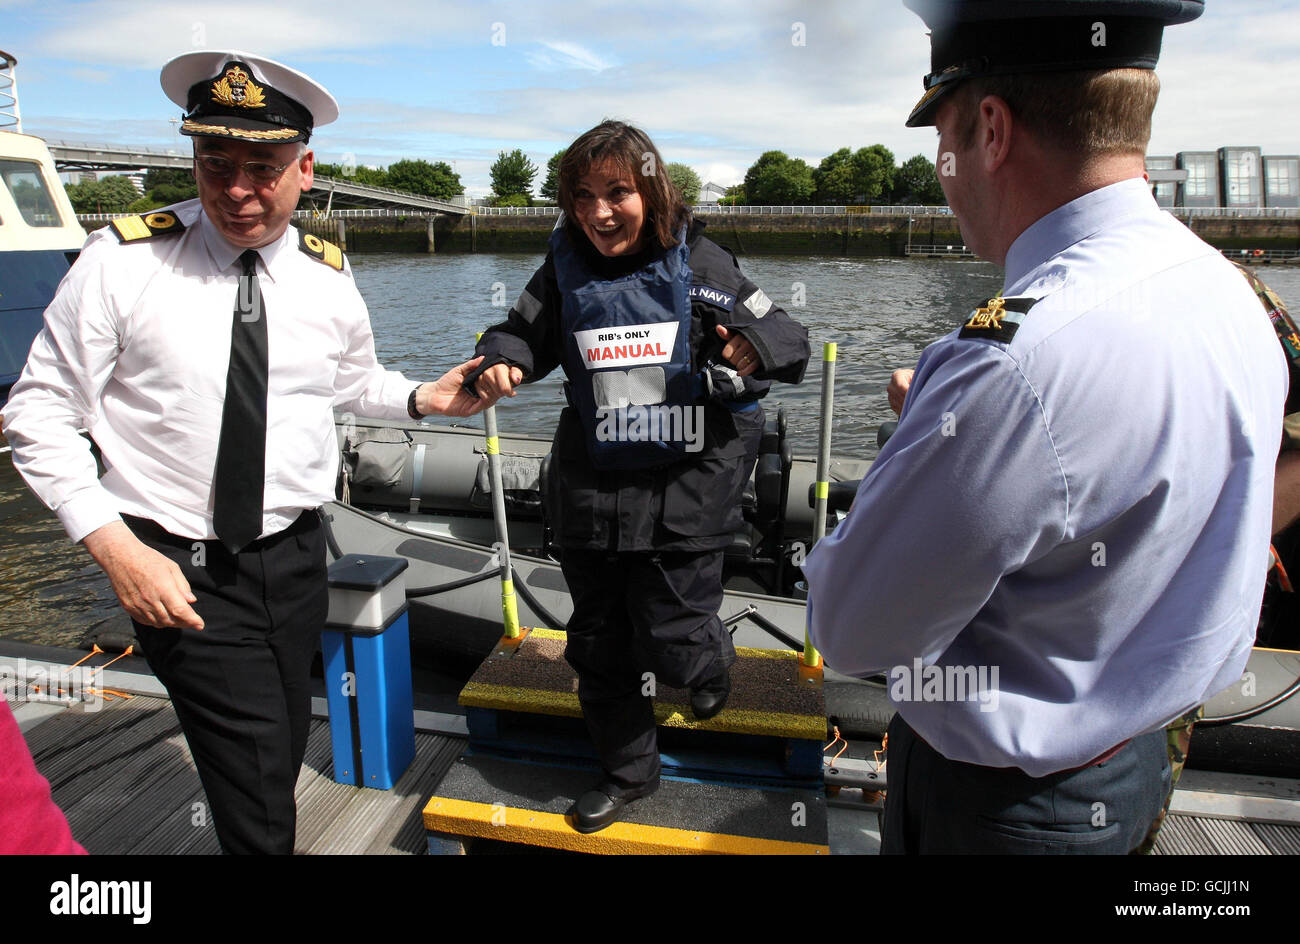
pixel 1179 737
pixel 1291 432
pixel 1289 337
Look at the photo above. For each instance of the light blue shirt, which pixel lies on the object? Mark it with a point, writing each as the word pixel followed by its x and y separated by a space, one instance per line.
pixel 1074 524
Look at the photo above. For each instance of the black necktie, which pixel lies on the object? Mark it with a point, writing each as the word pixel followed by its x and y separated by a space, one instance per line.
pixel 241 450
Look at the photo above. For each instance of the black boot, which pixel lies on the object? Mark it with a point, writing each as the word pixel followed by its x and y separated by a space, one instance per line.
pixel 709 698
pixel 597 808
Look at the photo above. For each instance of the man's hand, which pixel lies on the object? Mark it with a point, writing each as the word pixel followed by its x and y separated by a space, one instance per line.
pixel 899 381
pixel 498 381
pixel 447 394
pixel 150 587
pixel 739 352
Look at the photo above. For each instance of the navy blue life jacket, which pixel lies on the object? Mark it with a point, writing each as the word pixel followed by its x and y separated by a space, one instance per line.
pixel 627 354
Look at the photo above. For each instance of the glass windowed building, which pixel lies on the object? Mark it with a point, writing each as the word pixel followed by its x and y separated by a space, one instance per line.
pixel 1166 191
pixel 1282 181
pixel 1243 176
pixel 1201 188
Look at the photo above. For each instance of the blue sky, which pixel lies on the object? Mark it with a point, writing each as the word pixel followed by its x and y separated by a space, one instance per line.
pixel 714 83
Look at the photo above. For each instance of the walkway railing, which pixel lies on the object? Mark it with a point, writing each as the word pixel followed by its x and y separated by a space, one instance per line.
pixel 357 214
pixel 752 210
pixel 1237 213
pixel 516 211
pixel 923 249
pixel 360 213
pixel 1261 255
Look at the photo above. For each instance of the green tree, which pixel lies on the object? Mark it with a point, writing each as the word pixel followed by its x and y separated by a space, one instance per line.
pixel 512 173
pixel 433 180
pixel 165 186
pixel 143 205
pixel 686 180
pixel 733 196
pixel 834 178
pixel 551 186
pixel 873 173
pixel 109 195
pixel 776 178
pixel 357 174
pixel 916 183
pixel 512 200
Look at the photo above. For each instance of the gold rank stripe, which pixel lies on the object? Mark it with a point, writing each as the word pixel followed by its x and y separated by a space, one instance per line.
pixel 333 256
pixel 270 134
pixel 512 824
pixel 132 227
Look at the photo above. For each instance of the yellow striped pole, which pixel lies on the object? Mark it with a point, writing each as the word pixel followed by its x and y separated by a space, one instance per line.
pixel 509 606
pixel 822 487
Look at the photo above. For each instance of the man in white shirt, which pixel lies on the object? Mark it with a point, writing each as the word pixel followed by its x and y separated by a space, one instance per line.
pixel 204 347
pixel 1062 548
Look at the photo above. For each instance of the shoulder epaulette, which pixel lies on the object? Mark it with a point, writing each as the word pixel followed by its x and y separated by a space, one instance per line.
pixel 997 319
pixel 321 251
pixel 132 229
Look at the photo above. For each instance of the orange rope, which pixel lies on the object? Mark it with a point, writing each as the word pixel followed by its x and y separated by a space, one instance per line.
pixel 122 656
pixel 838 738
pixel 1283 578
pixel 109 692
pixel 94 651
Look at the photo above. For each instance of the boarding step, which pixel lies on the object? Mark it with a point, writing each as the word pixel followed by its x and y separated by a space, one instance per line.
pixel 523 701
pixel 485 797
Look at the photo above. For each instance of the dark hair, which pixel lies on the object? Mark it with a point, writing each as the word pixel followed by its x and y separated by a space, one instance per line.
pixel 630 151
pixel 1105 111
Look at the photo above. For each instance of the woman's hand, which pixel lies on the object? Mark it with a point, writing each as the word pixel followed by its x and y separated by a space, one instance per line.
pixel 498 381
pixel 899 382
pixel 447 395
pixel 739 353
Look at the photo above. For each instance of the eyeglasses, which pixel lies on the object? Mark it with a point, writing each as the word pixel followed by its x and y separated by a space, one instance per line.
pixel 223 168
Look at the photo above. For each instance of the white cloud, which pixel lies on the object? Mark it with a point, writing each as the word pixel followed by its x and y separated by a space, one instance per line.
pixel 714 82
pixel 556 56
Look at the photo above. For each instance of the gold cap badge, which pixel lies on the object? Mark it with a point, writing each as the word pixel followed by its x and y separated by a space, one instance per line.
pixel 235 88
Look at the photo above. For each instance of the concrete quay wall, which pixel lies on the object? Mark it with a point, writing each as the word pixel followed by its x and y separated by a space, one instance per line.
pixel 843 235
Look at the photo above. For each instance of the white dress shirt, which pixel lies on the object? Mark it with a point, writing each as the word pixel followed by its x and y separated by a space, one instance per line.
pixel 135 347
pixel 1078 517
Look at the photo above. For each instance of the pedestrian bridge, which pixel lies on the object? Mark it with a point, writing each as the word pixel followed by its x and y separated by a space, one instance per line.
pixel 328 191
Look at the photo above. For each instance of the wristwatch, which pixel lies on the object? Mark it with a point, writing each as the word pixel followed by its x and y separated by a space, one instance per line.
pixel 411 410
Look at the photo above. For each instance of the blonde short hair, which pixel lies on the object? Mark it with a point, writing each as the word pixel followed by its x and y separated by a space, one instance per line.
pixel 1106 111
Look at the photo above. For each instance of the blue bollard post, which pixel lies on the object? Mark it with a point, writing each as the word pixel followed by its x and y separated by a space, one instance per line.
pixel 366 647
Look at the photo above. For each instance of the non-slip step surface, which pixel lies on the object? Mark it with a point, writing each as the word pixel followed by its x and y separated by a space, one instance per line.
pixel 514 801
pixel 768 694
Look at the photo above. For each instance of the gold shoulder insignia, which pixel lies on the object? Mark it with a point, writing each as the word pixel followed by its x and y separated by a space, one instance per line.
pixel 321 251
pixel 997 319
pixel 130 229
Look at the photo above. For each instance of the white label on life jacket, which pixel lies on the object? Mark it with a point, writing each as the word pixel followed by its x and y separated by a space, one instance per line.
pixel 627 345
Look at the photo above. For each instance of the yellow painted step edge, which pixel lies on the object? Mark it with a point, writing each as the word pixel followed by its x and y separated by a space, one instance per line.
pixel 742 652
pixel 511 824
pixel 539 701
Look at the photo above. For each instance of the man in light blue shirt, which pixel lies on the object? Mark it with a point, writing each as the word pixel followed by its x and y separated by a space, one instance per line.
pixel 1062 548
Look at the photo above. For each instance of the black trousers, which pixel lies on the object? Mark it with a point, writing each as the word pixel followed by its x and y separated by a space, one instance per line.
pixel 638 613
pixel 241 685
pixel 936 805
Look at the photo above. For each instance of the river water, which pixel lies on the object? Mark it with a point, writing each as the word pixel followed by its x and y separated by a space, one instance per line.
pixel 425 311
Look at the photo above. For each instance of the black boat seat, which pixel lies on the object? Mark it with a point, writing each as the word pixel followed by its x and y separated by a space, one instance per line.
pixel 839 496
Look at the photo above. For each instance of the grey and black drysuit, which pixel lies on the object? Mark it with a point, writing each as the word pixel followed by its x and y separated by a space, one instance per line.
pixel 643 524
